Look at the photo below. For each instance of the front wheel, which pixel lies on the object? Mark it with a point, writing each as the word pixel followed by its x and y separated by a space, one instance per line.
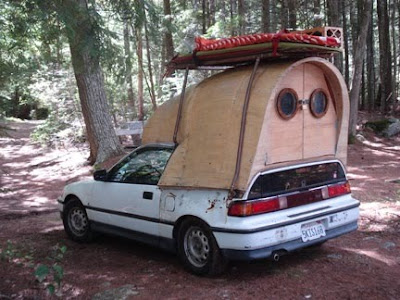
pixel 198 249
pixel 76 222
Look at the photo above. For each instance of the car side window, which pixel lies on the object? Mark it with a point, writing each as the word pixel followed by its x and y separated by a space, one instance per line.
pixel 141 167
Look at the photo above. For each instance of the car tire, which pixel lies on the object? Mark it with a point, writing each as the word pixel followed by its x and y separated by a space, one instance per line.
pixel 76 222
pixel 198 249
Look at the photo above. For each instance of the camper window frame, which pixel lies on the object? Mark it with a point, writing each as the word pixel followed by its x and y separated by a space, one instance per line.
pixel 312 98
pixel 281 94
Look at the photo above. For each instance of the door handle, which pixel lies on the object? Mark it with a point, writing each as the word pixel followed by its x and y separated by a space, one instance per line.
pixel 148 195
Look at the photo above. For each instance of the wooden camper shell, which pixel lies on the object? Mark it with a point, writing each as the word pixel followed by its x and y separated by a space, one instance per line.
pixel 228 128
pixel 208 133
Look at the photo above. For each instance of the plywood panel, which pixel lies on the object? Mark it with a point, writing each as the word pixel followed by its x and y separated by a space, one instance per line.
pixel 320 134
pixel 209 132
pixel 339 93
pixel 263 159
pixel 281 139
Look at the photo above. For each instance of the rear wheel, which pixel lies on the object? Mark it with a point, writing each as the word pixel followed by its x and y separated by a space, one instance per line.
pixel 198 249
pixel 76 222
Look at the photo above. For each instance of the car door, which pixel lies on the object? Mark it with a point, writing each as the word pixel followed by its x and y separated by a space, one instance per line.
pixel 130 197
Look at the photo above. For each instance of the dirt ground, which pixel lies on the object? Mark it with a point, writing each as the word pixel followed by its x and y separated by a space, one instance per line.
pixel 361 265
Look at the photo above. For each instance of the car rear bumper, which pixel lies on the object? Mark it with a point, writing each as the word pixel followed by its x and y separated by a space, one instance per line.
pixel 247 243
pixel 246 255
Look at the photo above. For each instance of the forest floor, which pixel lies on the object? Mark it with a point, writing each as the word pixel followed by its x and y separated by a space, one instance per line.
pixel 361 265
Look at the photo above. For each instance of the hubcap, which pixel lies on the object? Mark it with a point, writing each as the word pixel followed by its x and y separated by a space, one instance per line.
pixel 196 246
pixel 78 221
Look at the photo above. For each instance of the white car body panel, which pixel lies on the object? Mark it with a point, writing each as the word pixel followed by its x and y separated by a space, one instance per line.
pixel 135 212
pixel 122 206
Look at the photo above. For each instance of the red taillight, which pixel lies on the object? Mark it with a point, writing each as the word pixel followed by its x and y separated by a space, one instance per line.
pixel 339 189
pixel 249 208
pixel 254 207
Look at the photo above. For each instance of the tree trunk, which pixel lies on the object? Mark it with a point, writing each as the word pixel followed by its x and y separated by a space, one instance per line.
pixel 266 17
pixel 89 77
pixel 370 66
pixel 362 91
pixel 346 44
pixel 274 18
pixel 358 59
pixel 284 14
pixel 139 52
pixel 128 68
pixel 211 16
pixel 385 57
pixel 397 86
pixel 204 16
pixel 334 20
pixel 317 13
pixel 150 68
pixel 168 41
pixel 292 9
pixel 231 15
pixel 395 40
pixel 353 22
pixel 242 17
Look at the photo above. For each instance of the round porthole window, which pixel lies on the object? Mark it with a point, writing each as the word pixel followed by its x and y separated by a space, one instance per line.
pixel 318 103
pixel 287 103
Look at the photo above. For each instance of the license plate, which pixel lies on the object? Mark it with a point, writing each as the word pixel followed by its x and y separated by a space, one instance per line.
pixel 312 231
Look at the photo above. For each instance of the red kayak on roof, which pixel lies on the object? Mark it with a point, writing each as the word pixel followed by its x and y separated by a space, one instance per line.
pixel 239 50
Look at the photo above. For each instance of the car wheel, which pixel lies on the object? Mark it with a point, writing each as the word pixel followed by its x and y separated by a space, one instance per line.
pixel 76 222
pixel 198 249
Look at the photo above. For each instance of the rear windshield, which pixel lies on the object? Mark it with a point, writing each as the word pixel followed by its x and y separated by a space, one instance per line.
pixel 296 179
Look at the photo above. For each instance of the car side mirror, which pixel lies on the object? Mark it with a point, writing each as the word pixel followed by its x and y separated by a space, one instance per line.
pixel 100 175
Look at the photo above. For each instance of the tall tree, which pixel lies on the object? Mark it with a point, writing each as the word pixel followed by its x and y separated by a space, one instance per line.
pixel 395 40
pixel 317 13
pixel 232 16
pixel 358 60
pixel 82 32
pixel 292 8
pixel 334 20
pixel 284 14
pixel 242 16
pixel 370 64
pixel 128 68
pixel 385 56
pixel 266 16
pixel 149 67
pixel 139 53
pixel 346 43
pixel 168 41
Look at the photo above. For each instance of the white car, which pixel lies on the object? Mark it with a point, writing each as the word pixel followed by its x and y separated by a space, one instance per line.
pixel 283 209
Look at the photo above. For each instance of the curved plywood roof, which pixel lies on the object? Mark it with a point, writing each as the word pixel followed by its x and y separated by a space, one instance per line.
pixel 209 130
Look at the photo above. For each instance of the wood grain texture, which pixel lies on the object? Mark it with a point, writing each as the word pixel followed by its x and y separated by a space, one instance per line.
pixel 210 125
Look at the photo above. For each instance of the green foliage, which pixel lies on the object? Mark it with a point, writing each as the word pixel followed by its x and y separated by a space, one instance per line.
pixel 41 272
pixel 57 129
pixel 9 252
pixel 46 132
pixel 52 274
pixel 378 126
pixel 37 34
